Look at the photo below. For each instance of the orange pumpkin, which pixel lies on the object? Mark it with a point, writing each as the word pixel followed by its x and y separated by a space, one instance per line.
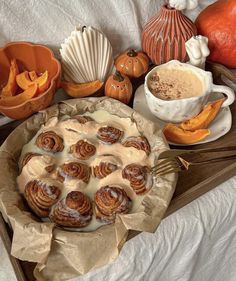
pixel 217 22
pixel 119 87
pixel 23 81
pixel 81 90
pixel 33 75
pixel 133 64
pixel 11 86
pixel 180 136
pixel 203 120
pixel 20 98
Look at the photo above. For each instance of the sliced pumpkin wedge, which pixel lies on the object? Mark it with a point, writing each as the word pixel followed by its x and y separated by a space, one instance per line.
pixel 21 98
pixel 81 90
pixel 204 119
pixel 11 86
pixel 33 75
pixel 178 135
pixel 23 81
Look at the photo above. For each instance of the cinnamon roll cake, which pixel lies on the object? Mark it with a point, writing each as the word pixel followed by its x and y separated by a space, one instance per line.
pixel 110 201
pixel 41 196
pixel 73 211
pixel 84 171
pixel 74 170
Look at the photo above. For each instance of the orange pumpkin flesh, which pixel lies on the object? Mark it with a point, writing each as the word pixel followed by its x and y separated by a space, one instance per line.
pixel 11 86
pixel 81 90
pixel 131 63
pixel 177 135
pixel 119 87
pixel 33 75
pixel 21 98
pixel 24 81
pixel 203 120
pixel 217 22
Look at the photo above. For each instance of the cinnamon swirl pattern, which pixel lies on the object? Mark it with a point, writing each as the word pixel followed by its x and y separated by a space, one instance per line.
pixel 50 141
pixel 139 178
pixel 110 201
pixel 83 150
pixel 73 211
pixel 41 197
pixel 109 135
pixel 74 170
pixel 103 169
pixel 83 118
pixel 27 157
pixel 140 143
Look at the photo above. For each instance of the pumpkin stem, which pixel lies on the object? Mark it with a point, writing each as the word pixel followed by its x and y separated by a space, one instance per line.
pixel 132 53
pixel 118 77
pixel 83 28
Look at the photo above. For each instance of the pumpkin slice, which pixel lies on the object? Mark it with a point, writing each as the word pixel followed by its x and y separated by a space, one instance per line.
pixel 203 120
pixel 11 86
pixel 81 90
pixel 178 135
pixel 23 81
pixel 33 75
pixel 21 98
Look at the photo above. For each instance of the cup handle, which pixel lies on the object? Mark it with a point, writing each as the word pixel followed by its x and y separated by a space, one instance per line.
pixel 227 91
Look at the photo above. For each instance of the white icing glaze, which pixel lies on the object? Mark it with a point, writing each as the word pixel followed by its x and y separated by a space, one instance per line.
pixel 106 159
pixel 34 169
pixel 72 131
pixel 94 224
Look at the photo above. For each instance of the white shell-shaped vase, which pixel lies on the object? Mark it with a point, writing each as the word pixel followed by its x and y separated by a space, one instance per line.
pixel 86 55
pixel 197 50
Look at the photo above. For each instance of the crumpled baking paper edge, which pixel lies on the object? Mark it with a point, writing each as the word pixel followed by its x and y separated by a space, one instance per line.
pixel 61 254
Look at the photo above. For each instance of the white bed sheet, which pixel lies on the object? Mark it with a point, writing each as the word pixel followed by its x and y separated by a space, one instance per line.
pixel 198 242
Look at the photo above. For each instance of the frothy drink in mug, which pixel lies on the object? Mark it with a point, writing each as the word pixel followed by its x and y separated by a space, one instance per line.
pixel 177 91
pixel 173 84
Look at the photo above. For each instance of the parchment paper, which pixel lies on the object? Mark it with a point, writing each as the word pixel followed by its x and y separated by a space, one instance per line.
pixel 60 254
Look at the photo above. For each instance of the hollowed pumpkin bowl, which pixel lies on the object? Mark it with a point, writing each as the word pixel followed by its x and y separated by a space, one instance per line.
pixel 30 57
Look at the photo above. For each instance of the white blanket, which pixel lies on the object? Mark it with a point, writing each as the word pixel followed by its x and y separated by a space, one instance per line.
pixel 51 21
pixel 197 243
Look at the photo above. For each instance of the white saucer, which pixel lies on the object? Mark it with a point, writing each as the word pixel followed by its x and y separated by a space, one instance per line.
pixel 219 127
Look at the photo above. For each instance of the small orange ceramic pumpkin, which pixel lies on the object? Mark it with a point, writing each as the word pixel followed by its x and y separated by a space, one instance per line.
pixel 131 63
pixel 119 87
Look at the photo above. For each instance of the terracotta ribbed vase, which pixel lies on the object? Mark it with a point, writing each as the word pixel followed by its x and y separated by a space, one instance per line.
pixel 164 36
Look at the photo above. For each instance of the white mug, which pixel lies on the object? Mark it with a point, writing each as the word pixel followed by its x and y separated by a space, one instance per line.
pixel 179 110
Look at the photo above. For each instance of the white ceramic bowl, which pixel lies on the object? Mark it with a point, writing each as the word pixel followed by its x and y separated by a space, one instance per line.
pixel 179 110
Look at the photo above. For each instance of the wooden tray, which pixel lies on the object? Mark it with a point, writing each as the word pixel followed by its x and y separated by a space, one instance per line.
pixel 190 185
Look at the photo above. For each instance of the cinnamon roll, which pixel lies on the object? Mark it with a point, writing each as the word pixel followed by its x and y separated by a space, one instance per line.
pixel 74 170
pixel 50 141
pixel 140 143
pixel 139 177
pixel 73 211
pixel 27 157
pixel 103 169
pixel 41 196
pixel 109 201
pixel 109 134
pixel 83 150
pixel 83 118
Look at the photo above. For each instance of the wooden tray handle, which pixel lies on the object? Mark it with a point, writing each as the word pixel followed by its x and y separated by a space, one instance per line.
pixel 218 71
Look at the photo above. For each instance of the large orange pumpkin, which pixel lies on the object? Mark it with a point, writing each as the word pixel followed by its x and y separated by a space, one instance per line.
pixel 218 23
